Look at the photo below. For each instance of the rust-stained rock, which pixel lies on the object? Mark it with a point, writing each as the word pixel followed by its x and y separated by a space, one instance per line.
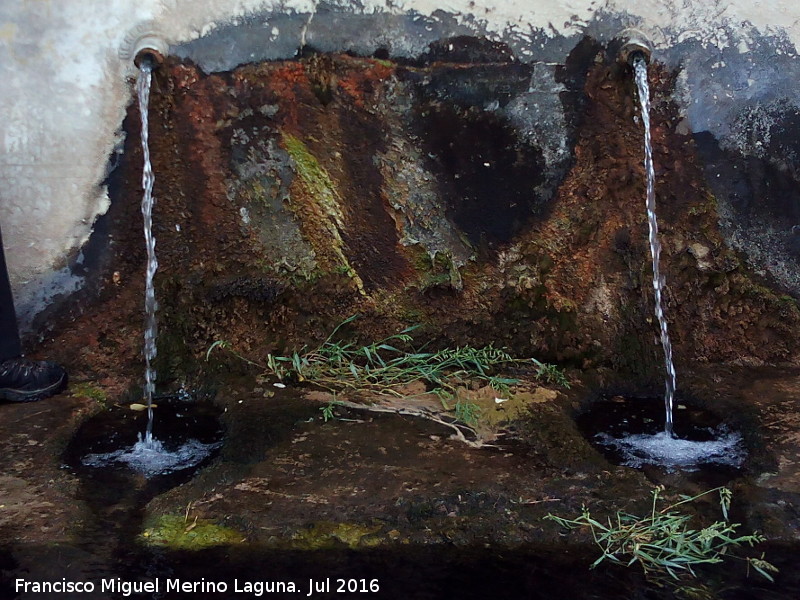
pixel 439 195
pixel 488 201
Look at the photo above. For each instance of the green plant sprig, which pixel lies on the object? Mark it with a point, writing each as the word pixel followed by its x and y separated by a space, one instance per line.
pixel 392 362
pixel 664 543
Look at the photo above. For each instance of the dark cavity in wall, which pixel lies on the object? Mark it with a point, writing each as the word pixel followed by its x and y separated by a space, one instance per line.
pixel 372 235
pixel 755 187
pixel 763 149
pixel 487 176
pixel 496 157
pixel 755 177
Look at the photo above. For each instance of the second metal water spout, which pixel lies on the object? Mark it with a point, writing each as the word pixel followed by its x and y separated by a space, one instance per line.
pixel 635 45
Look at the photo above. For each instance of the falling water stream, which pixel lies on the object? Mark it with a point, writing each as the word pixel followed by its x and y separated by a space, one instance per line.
pixel 148 455
pixel 150 304
pixel 640 68
pixel 712 446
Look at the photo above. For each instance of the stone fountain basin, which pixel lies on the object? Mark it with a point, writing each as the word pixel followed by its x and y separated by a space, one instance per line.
pixel 306 495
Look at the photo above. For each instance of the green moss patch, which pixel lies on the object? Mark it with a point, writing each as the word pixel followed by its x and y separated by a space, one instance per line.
pixel 326 211
pixel 177 533
pixel 87 390
pixel 326 534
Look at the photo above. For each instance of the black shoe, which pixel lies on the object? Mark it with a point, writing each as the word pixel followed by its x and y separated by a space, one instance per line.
pixel 23 380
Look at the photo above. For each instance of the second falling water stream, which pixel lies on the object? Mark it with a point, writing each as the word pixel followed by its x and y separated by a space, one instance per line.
pixel 640 69
pixel 665 448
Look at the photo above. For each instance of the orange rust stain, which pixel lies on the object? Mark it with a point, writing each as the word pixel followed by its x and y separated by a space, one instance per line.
pixel 360 84
pixel 381 71
pixel 353 87
pixel 184 76
pixel 206 151
pixel 289 82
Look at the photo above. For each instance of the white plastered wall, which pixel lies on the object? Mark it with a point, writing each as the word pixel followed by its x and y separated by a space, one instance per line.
pixel 65 90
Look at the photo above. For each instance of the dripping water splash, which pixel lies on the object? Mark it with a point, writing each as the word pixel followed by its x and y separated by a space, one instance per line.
pixel 150 304
pixel 664 449
pixel 640 68
pixel 149 456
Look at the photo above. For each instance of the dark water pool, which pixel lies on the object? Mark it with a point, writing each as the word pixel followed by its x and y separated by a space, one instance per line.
pixel 186 435
pixel 630 431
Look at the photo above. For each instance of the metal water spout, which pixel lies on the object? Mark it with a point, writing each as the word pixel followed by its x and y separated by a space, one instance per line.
pixel 144 44
pixel 148 54
pixel 634 44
